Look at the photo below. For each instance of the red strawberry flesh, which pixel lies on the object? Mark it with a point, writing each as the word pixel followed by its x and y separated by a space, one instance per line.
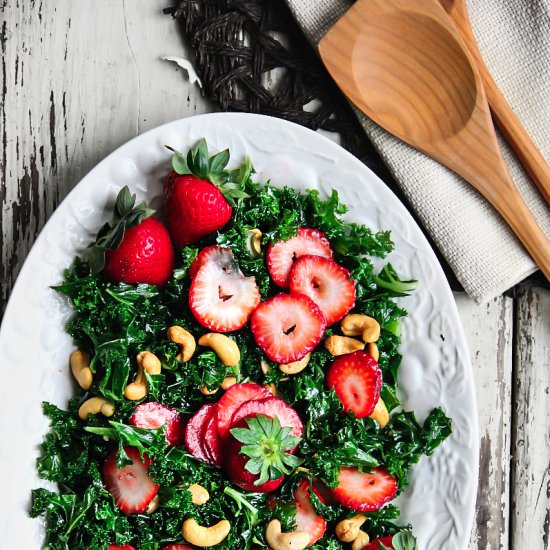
pixel 326 283
pixel 120 547
pixel 220 297
pixel 364 492
pixel 195 429
pixel 232 399
pixel 281 255
pixel 385 541
pixel 211 441
pixel 194 208
pixel 145 255
pixel 356 379
pixel 130 486
pixel 306 518
pixel 153 415
pixel 177 547
pixel 272 407
pixel 209 253
pixel 287 327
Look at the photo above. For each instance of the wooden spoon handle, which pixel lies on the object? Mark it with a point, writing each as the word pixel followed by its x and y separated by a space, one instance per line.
pixel 509 124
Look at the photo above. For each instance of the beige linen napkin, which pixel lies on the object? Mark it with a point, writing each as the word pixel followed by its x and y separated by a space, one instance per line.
pixel 514 38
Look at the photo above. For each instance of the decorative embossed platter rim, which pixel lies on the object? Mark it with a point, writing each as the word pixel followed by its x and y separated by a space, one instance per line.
pixel 436 370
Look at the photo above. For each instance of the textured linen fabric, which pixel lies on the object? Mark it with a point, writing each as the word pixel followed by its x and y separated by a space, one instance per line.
pixel 514 39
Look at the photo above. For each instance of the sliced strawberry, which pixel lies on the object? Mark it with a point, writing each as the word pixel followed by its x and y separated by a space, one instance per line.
pixel 357 380
pixel 220 297
pixel 365 492
pixel 326 283
pixel 177 547
pixel 232 399
pixel 130 486
pixel 385 541
pixel 154 415
pixel 272 407
pixel 208 253
pixel 306 518
pixel 120 547
pixel 287 327
pixel 211 441
pixel 281 255
pixel 195 429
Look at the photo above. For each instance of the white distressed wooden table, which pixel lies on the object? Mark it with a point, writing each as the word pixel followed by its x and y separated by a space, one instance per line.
pixel 79 78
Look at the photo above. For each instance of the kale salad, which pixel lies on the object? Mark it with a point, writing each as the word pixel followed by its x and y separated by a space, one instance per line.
pixel 235 376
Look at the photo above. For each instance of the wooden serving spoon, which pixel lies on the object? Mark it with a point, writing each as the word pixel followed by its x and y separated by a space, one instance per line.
pixel 403 63
pixel 507 121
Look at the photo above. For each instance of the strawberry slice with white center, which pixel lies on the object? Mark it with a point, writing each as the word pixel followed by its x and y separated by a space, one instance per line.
pixel 287 327
pixel 356 379
pixel 364 492
pixel 220 297
pixel 306 518
pixel 153 415
pixel 272 407
pixel 326 283
pixel 232 399
pixel 281 255
pixel 130 486
pixel 209 253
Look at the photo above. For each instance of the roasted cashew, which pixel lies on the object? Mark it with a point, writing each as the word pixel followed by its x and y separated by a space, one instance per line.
pixel 357 324
pixel 147 362
pixel 228 381
pixel 96 405
pixel 254 241
pixel 80 367
pixel 226 348
pixel 380 413
pixel 205 536
pixel 361 541
pixel 340 345
pixel 153 505
pixel 264 365
pixel 295 540
pixel 206 391
pixel 347 530
pixel 271 388
pixel 185 339
pixel 199 495
pixel 296 366
pixel 374 351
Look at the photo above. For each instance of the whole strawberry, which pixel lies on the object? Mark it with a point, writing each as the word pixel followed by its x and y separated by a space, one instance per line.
pixel 133 248
pixel 199 194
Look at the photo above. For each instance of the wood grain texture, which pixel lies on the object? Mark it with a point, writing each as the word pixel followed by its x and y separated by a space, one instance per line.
pixel 489 333
pixel 530 516
pixel 78 79
pixel 404 64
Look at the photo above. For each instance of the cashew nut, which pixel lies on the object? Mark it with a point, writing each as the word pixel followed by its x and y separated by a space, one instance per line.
pixel 206 391
pixel 374 351
pixel 347 530
pixel 153 505
pixel 295 540
pixel 357 324
pixel 96 405
pixel 340 345
pixel 205 536
pixel 228 381
pixel 264 365
pixel 380 413
pixel 254 242
pixel 147 362
pixel 199 495
pixel 361 541
pixel 185 339
pixel 296 366
pixel 80 367
pixel 226 348
pixel 271 388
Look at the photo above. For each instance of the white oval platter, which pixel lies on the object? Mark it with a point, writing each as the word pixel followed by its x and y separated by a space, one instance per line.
pixel 436 370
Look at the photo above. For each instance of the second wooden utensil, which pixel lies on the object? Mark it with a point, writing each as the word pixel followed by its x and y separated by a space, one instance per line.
pixel 403 63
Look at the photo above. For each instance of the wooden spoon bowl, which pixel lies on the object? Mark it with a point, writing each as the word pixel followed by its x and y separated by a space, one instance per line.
pixel 403 63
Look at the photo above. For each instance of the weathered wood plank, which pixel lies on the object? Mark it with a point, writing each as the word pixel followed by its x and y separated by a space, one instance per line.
pixel 489 332
pixel 78 79
pixel 530 514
